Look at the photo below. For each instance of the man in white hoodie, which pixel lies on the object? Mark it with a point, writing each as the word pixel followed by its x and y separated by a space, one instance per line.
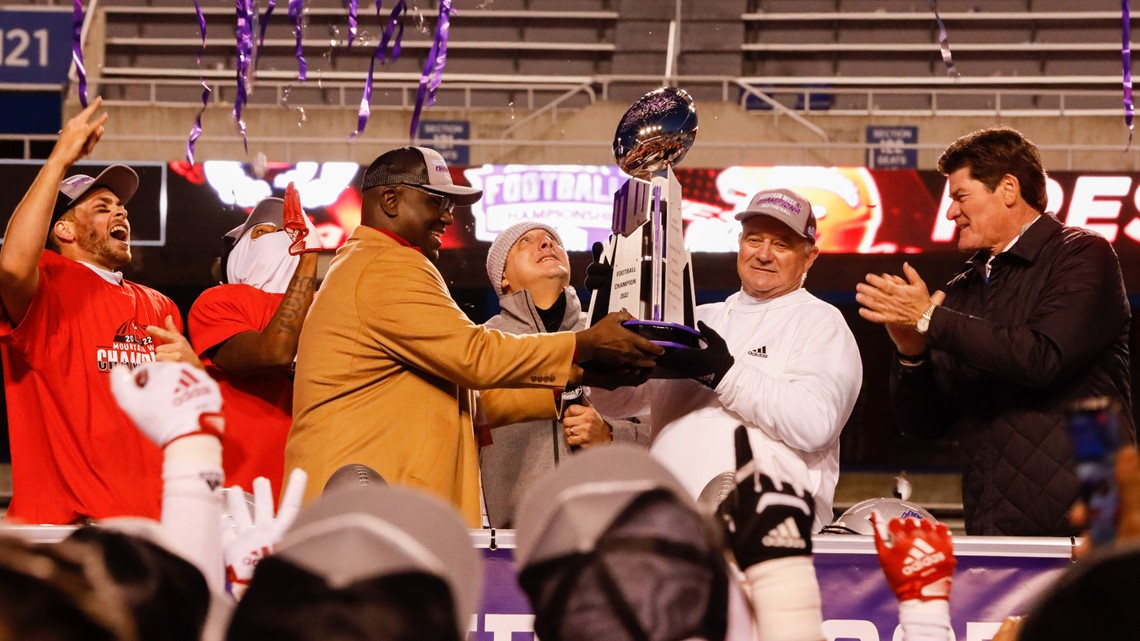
pixel 246 330
pixel 779 361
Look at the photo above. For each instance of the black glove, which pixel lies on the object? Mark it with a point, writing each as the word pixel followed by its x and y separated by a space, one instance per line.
pixel 706 365
pixel 598 274
pixel 763 521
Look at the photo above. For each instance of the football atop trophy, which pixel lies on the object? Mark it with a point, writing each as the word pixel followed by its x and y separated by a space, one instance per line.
pixel 652 271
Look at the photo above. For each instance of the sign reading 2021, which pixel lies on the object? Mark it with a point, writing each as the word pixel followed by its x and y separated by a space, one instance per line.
pixel 35 45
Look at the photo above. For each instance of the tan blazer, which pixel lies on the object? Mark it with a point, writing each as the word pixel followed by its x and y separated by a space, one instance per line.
pixel 385 368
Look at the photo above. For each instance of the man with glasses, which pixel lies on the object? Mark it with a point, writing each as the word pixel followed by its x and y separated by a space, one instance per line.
pixel 387 361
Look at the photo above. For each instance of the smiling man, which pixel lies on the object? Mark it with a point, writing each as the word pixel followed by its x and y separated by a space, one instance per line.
pixel 387 362
pixel 787 367
pixel 530 272
pixel 68 317
pixel 1037 319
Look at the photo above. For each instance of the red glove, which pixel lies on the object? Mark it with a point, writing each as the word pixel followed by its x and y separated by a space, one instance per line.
pixel 917 556
pixel 298 225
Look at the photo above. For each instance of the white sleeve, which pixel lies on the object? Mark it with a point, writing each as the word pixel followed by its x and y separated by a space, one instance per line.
pixel 192 505
pixel 807 404
pixel 785 596
pixel 925 620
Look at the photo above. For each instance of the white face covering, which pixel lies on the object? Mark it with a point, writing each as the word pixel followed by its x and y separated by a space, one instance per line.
pixel 263 263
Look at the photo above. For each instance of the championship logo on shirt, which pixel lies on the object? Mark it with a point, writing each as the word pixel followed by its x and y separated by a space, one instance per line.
pixel 131 346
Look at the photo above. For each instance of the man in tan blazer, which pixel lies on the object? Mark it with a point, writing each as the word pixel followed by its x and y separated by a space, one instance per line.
pixel 387 361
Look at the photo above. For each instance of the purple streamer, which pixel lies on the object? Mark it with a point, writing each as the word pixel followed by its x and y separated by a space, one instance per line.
pixel 944 42
pixel 433 68
pixel 77 49
pixel 394 26
pixel 1126 56
pixel 296 16
pixel 264 25
pixel 351 22
pixel 243 31
pixel 196 130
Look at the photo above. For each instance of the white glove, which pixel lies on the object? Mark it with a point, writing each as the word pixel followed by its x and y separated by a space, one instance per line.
pixel 247 541
pixel 169 400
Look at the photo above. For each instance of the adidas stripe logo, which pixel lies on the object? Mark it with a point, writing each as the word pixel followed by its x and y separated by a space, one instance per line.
pixel 185 389
pixel 761 352
pixel 920 557
pixel 784 535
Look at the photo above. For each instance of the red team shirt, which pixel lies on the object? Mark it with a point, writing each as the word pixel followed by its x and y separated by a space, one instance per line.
pixel 74 453
pixel 258 409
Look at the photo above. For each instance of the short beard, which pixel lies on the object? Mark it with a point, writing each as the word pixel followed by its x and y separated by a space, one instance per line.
pixel 100 248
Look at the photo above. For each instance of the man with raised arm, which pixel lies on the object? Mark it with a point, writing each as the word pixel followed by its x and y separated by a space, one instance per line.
pixel 68 317
pixel 246 332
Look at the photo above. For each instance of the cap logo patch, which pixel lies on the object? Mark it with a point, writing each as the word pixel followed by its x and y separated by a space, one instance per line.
pixel 78 181
pixel 780 203
pixel 439 168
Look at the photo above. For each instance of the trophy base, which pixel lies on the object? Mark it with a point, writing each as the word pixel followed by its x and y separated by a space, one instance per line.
pixel 667 335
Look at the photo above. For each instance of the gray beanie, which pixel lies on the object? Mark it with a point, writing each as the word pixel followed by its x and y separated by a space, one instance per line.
pixel 497 256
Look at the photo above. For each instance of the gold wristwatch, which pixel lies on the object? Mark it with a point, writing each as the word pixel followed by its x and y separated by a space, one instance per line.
pixel 923 323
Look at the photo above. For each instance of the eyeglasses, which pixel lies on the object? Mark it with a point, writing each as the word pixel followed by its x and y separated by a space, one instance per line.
pixel 446 206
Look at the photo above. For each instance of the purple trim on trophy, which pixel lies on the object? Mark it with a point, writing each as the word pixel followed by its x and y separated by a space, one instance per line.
pixel 1126 59
pixel 663 327
pixel 77 50
pixel 656 242
pixel 621 205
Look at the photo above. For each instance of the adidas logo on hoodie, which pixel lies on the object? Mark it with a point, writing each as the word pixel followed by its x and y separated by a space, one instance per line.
pixel 762 351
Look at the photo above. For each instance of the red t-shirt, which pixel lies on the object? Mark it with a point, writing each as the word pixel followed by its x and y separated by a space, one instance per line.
pixel 75 454
pixel 258 408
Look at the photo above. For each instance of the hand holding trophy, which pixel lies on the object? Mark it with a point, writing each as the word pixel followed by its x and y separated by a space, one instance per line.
pixel 652 275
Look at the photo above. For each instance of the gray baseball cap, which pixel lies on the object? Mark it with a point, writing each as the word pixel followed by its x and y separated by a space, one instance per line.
pixel 785 206
pixel 269 210
pixel 120 179
pixel 374 530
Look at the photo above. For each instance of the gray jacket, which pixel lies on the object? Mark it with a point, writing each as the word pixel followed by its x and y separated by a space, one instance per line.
pixel 523 452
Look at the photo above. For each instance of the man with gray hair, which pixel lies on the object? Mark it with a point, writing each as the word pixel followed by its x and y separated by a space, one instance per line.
pixel 778 361
pixel 528 267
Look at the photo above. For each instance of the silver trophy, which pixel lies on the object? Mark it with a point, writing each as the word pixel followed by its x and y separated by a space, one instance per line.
pixel 652 270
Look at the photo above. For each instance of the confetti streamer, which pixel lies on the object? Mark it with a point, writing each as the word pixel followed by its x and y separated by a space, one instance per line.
pixel 243 32
pixel 351 22
pixel 196 130
pixel 77 49
pixel 296 16
pixel 433 68
pixel 1126 56
pixel 395 25
pixel 944 42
